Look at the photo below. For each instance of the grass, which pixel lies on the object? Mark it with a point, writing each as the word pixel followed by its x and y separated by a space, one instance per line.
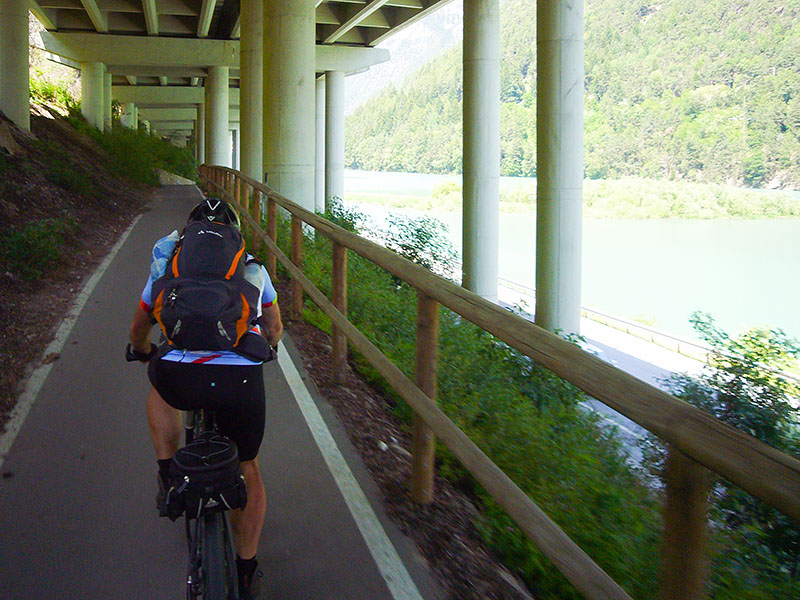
pixel 135 154
pixel 35 249
pixel 63 172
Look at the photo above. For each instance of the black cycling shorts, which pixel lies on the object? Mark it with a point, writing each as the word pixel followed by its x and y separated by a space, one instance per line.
pixel 236 392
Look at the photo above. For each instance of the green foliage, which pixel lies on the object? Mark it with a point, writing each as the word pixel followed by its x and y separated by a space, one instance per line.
pixel 743 386
pixel 136 155
pixel 530 422
pixel 422 240
pixel 36 248
pixel 52 92
pixel 446 190
pixel 636 198
pixel 60 170
pixel 338 214
pixel 673 90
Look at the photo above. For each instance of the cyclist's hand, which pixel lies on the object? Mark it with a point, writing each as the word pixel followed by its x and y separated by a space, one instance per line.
pixel 132 355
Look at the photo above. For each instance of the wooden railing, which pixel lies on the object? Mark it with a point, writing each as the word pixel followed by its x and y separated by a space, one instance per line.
pixel 697 441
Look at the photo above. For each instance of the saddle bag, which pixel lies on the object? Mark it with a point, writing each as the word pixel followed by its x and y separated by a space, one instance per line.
pixel 205 477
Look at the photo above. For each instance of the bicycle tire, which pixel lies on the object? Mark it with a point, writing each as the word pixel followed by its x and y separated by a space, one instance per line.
pixel 217 563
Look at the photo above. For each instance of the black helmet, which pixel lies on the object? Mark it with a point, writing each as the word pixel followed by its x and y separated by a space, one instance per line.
pixel 216 211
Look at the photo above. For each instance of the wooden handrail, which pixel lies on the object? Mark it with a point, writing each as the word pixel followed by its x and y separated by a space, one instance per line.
pixel 749 463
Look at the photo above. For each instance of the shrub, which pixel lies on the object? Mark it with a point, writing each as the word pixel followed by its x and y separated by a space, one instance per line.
pixel 54 92
pixel 743 386
pixel 134 154
pixel 36 248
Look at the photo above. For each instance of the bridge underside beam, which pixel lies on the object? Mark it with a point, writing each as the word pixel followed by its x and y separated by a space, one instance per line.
pixel 166 96
pixel 132 51
pixel 178 114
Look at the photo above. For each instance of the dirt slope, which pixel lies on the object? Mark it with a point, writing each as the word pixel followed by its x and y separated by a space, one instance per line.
pixel 53 172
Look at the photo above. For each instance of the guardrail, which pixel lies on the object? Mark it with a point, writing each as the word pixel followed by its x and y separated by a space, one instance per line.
pixel 697 440
pixel 678 345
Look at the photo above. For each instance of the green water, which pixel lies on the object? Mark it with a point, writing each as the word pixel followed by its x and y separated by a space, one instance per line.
pixel 743 272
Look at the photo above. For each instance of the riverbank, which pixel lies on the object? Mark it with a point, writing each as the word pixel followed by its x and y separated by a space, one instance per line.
pixel 630 198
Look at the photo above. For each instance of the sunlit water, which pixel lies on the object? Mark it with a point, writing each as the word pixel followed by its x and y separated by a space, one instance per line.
pixel 743 272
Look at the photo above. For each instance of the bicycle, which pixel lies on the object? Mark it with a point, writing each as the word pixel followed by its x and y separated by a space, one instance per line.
pixel 211 573
pixel 205 482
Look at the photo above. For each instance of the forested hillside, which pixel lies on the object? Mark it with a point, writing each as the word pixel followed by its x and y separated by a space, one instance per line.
pixel 678 89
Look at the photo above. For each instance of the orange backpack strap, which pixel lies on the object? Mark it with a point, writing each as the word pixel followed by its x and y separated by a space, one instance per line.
pixel 235 262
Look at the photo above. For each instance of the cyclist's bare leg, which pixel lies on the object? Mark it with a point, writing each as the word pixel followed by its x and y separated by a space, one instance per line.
pixel 247 522
pixel 165 425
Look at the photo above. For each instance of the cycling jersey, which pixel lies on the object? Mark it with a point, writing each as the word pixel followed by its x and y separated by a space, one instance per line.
pixel 254 272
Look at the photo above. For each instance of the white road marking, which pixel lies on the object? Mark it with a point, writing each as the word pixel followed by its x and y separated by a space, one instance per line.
pixel 389 564
pixel 39 376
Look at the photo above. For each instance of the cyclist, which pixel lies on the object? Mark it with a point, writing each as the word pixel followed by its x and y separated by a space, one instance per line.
pixel 224 380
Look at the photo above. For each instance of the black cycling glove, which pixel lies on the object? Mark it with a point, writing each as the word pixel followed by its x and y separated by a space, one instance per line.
pixel 132 355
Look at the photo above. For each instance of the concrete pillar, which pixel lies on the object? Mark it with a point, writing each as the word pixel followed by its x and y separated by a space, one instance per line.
pixel 319 169
pixel 235 149
pixel 14 77
pixel 289 59
pixel 334 135
pixel 251 67
pixel 128 116
pixel 92 93
pixel 201 133
pixel 481 166
pixel 135 117
pixel 107 102
pixel 218 145
pixel 559 170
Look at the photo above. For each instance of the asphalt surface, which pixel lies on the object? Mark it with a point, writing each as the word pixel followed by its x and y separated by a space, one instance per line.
pixel 77 508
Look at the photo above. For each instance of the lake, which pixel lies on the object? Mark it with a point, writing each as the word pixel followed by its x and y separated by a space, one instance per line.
pixel 743 272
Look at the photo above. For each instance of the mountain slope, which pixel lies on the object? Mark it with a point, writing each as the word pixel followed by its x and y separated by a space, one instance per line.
pixel 677 90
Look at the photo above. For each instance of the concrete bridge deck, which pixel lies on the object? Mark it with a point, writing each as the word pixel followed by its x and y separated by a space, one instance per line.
pixel 77 512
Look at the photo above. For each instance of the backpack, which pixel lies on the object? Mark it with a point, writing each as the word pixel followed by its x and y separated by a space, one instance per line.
pixel 203 301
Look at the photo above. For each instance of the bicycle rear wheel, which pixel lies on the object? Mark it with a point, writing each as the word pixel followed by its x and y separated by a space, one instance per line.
pixel 214 560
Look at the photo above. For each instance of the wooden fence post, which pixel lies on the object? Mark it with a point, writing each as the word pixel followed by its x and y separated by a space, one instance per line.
pixel 296 312
pixel 237 188
pixel 423 443
pixel 685 528
pixel 272 232
pixel 339 299
pixel 255 212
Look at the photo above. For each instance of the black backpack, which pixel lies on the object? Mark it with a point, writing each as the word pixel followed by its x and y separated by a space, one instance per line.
pixel 203 301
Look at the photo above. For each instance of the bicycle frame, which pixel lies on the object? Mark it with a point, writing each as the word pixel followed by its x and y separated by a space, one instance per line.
pixel 212 560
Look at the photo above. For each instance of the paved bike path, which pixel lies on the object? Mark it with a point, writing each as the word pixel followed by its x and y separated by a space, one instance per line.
pixel 77 516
